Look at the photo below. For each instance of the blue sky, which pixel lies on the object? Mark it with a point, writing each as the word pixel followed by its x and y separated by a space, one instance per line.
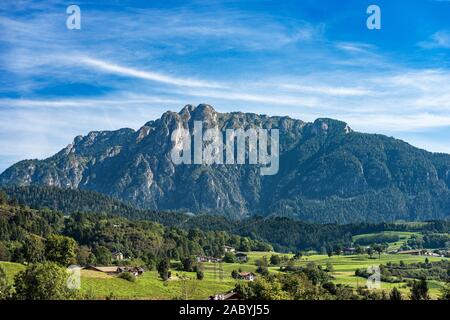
pixel 133 60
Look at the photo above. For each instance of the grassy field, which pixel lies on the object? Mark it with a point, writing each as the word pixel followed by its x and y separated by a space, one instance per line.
pixel 345 266
pixel 98 285
pixel 149 286
pixel 403 237
pixel 11 269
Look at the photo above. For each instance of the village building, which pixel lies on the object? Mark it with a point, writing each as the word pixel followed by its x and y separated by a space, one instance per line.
pixel 117 256
pixel 229 249
pixel 208 259
pixel 136 271
pixel 417 252
pixel 249 276
pixel 231 295
pixel 108 270
pixel 114 270
pixel 349 251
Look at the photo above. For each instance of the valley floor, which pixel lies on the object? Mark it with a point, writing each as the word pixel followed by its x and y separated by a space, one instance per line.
pixel 98 285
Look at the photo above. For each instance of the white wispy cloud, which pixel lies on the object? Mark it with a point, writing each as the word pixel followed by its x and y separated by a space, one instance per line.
pixel 151 60
pixel 123 101
pixel 398 123
pixel 328 90
pixel 356 47
pixel 440 39
pixel 245 96
pixel 148 75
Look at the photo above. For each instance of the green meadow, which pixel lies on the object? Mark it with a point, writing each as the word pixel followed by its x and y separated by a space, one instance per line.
pixel 345 266
pixel 98 285
pixel 403 237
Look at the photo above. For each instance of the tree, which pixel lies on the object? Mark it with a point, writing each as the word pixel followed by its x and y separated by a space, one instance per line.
pixel 330 251
pixel 61 249
pixel 370 251
pixel 229 257
pixel 445 291
pixel 262 265
pixel 419 290
pixel 33 249
pixel 245 245
pixel 235 274
pixel 200 275
pixel 42 281
pixel 315 273
pixel 378 249
pixel 275 260
pixel 5 254
pixel 3 198
pixel 163 269
pixel 188 264
pixel 395 294
pixel 329 267
pixel 85 256
pixel 359 250
pixel 103 255
pixel 262 289
pixel 298 255
pixel 5 287
pixel 188 287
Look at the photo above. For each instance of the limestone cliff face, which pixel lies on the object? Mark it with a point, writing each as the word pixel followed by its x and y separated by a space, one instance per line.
pixel 327 171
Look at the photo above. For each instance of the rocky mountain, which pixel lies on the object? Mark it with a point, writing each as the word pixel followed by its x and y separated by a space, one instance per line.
pixel 327 172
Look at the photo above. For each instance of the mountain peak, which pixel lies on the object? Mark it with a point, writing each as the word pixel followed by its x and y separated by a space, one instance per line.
pixel 200 108
pixel 327 171
pixel 326 125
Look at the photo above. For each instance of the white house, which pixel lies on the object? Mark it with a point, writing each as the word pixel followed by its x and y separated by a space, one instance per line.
pixel 228 249
pixel 250 276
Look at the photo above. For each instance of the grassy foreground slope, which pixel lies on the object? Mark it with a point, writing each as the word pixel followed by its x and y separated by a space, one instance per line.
pixel 98 285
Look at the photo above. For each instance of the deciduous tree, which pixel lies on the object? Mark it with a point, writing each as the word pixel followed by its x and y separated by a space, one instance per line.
pixel 42 281
pixel 61 249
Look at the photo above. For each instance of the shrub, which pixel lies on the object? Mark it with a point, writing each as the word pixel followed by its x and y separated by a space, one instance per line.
pixel 127 276
pixel 200 275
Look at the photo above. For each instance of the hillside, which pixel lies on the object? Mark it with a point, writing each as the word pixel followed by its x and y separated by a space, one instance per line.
pixel 284 234
pixel 328 173
pixel 29 235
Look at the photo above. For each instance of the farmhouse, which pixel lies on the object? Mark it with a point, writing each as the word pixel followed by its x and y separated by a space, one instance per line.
pixel 349 251
pixel 113 270
pixel 249 276
pixel 228 249
pixel 417 252
pixel 109 270
pixel 136 271
pixel 208 259
pixel 117 256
